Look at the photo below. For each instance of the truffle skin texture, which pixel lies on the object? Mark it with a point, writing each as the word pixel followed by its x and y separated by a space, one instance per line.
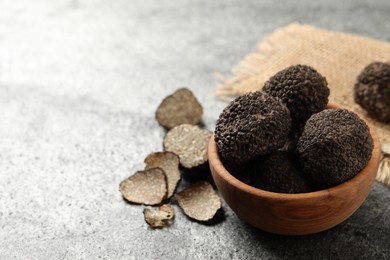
pixel 303 90
pixel 334 146
pixel 372 90
pixel 278 172
pixel 252 124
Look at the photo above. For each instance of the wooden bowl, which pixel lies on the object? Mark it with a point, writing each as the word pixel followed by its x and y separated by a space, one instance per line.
pixel 294 214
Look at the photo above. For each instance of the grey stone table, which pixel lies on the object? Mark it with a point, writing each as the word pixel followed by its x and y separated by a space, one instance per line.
pixel 79 85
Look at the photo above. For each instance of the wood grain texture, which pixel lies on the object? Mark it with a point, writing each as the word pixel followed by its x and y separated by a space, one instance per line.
pixel 295 214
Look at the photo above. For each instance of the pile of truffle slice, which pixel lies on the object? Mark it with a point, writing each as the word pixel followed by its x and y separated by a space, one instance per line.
pixel 284 139
pixel 184 144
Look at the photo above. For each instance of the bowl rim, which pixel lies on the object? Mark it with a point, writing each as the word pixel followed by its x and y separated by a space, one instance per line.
pixel 216 163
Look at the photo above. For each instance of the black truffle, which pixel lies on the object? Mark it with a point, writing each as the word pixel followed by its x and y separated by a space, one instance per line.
pixel 252 124
pixel 277 172
pixel 303 90
pixel 335 145
pixel 372 90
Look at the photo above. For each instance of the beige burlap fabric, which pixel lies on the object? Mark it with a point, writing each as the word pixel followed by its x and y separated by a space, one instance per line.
pixel 340 57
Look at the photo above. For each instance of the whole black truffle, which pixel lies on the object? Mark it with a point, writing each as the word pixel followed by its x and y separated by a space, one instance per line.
pixel 335 145
pixel 277 172
pixel 252 124
pixel 303 90
pixel 372 90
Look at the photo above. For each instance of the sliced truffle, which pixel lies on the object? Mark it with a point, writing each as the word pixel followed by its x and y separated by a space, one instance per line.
pixel 161 217
pixel 277 172
pixel 169 163
pixel 189 142
pixel 335 145
pixel 147 187
pixel 303 90
pixel 253 124
pixel 179 108
pixel 383 174
pixel 199 201
pixel 386 148
pixel 372 90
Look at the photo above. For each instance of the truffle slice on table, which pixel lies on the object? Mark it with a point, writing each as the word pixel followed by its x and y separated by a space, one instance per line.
pixel 335 146
pixel 169 163
pixel 189 142
pixel 252 124
pixel 277 172
pixel 181 107
pixel 161 217
pixel 199 201
pixel 303 90
pixel 147 187
pixel 372 90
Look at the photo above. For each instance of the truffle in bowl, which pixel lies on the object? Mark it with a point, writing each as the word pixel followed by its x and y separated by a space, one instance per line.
pixel 294 214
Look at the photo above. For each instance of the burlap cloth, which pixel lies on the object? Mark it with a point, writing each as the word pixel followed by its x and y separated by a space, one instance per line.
pixel 340 57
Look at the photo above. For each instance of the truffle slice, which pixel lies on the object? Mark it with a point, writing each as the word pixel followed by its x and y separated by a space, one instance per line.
pixel 179 108
pixel 384 170
pixel 147 187
pixel 335 145
pixel 199 201
pixel 372 90
pixel 253 124
pixel 386 148
pixel 161 217
pixel 169 163
pixel 189 142
pixel 278 172
pixel 303 90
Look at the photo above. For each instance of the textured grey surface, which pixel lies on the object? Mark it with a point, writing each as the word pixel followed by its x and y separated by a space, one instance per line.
pixel 79 84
